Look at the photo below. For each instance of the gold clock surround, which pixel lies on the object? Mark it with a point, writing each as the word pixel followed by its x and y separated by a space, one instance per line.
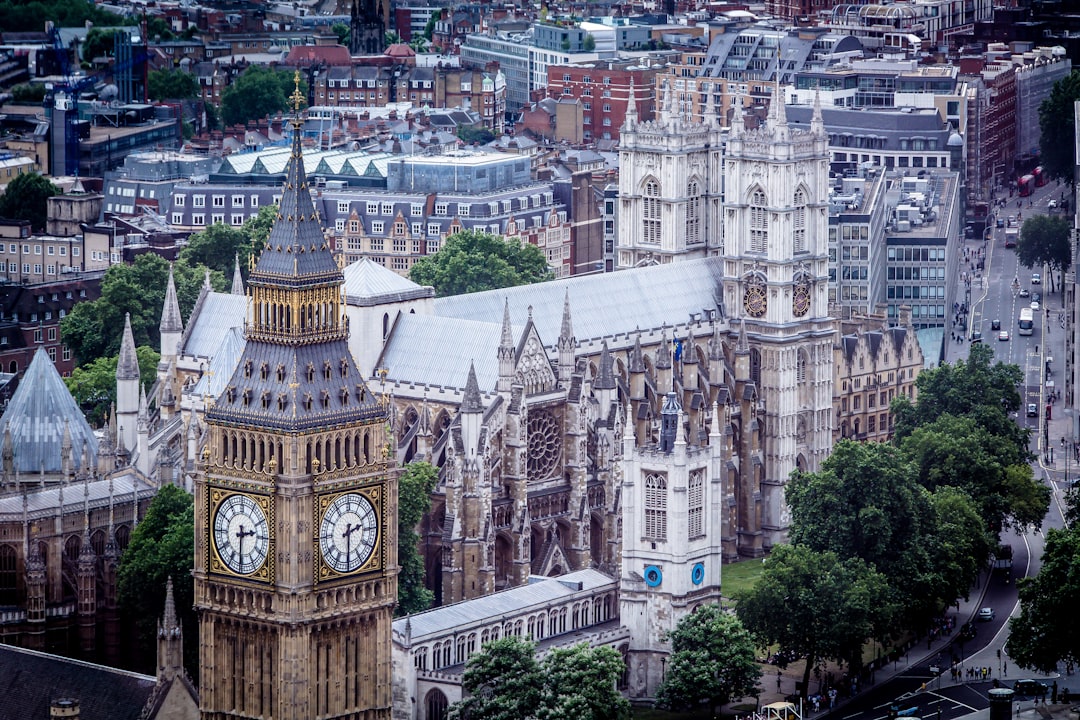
pixel 216 564
pixel 800 300
pixel 324 572
pixel 755 297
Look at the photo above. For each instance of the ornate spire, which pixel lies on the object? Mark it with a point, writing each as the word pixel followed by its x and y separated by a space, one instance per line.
pixel 127 367
pixel 237 279
pixel 170 313
pixel 663 355
pixel 506 342
pixel 169 615
pixel 630 119
pixel 566 333
pixel 637 359
pixel 817 124
pixel 471 402
pixel 743 345
pixel 605 377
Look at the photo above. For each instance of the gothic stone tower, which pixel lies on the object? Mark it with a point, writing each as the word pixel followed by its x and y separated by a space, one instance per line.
pixel 367 30
pixel 669 185
pixel 776 277
pixel 296 520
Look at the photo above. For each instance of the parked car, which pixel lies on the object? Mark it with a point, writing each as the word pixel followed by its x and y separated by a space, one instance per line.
pixel 1032 688
pixel 985 614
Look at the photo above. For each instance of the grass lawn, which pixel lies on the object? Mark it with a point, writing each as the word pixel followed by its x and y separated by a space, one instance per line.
pixel 739 576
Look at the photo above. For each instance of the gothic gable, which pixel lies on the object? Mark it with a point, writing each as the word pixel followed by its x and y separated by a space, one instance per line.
pixel 531 363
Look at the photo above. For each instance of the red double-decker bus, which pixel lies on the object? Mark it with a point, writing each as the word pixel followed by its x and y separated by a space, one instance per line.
pixel 1040 176
pixel 1025 185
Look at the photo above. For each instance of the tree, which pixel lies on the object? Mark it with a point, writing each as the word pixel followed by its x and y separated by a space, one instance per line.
pixel 429 28
pixel 343 31
pixel 93 385
pixel 1047 630
pixel 414 499
pixel 419 43
pixel 961 542
pixel 1057 150
pixel 502 682
pixel 816 605
pixel 979 388
pixel 98 43
pixel 471 261
pixel 1045 239
pixel 469 135
pixel 581 682
pixel 26 198
pixel 172 85
pixel 218 247
pixel 22 16
pixel 589 44
pixel 958 451
pixel 28 94
pixel 258 93
pixel 162 546
pixel 92 329
pixel 712 661
pixel 258 227
pixel 865 503
pixel 391 37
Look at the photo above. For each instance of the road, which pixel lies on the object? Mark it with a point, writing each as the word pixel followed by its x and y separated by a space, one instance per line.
pixel 995 297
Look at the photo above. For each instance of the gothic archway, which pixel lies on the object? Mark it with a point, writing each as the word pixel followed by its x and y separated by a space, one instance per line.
pixel 435 705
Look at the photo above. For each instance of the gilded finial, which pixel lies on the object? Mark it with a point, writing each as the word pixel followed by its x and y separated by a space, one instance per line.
pixel 296 98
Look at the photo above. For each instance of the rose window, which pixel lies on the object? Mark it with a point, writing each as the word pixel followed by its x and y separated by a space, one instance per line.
pixel 545 445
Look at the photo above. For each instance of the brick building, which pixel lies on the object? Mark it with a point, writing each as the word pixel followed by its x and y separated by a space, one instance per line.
pixel 603 88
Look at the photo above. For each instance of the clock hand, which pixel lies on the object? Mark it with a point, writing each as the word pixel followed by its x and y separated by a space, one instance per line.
pixel 349 530
pixel 241 534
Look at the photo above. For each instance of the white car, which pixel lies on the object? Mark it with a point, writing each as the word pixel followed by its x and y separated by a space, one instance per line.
pixel 1052 204
pixel 1034 304
pixel 985 614
pixel 1036 279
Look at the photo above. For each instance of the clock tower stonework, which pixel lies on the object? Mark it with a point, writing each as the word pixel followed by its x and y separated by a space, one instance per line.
pixel 296 504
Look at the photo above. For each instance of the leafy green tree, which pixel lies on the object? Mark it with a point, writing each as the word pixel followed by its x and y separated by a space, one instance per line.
pixel 26 198
pixel 1057 140
pixel 1047 631
pixel 429 28
pixel 99 42
pixel 258 93
pixel 343 31
pixel 979 388
pixel 1045 239
pixel 589 44
pixel 392 38
pixel 581 682
pixel 865 503
pixel 419 43
pixel 816 605
pixel 712 661
pixel 414 499
pixel 92 329
pixel 471 261
pixel 258 227
pixel 502 682
pixel 23 16
pixel 470 135
pixel 93 385
pixel 217 247
pixel 958 451
pixel 172 85
pixel 162 546
pixel 961 543
pixel 158 28
pixel 28 94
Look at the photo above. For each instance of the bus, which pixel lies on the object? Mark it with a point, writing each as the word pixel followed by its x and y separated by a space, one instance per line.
pixel 1025 185
pixel 1040 176
pixel 1026 324
pixel 1011 234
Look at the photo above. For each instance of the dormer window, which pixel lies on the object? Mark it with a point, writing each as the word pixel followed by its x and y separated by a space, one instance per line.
pixel 344 367
pixel 282 401
pixel 265 399
pixel 230 394
pixel 327 370
pixel 307 401
pixel 264 371
pixel 344 396
pixel 310 372
pixel 361 393
pixel 246 397
pixel 247 368
pixel 325 398
pixel 281 373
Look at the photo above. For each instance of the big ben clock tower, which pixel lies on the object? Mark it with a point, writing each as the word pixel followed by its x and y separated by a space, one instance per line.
pixel 296 506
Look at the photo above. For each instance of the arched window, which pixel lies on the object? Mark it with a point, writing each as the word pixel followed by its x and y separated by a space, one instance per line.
pixel 9 577
pixel 655 507
pixel 650 213
pixel 798 222
pixel 693 213
pixel 385 325
pixel 435 705
pixel 71 548
pixel 695 498
pixel 759 223
pixel 123 537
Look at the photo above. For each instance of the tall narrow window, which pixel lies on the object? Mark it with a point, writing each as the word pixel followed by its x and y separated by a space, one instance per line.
pixel 9 577
pixel 650 213
pixel 693 213
pixel 798 222
pixel 655 507
pixel 696 504
pixel 759 223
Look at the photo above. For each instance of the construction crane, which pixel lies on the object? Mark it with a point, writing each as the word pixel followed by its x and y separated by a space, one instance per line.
pixel 62 101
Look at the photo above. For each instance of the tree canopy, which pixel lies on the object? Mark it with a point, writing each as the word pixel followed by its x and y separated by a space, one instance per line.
pixel 471 261
pixel 93 385
pixel 218 247
pixel 172 85
pixel 92 329
pixel 257 93
pixel 1057 140
pixel 25 16
pixel 26 198
pixel 1047 631
pixel 712 661
pixel 1045 239
pixel 162 546
pixel 414 499
pixel 504 681
pixel 816 605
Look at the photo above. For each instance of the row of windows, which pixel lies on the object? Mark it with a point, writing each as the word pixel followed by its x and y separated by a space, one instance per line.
pixel 495 207
pixel 217 201
pixel 917 254
pixel 656 505
pixel 13 249
pixel 915 273
pixel 199 219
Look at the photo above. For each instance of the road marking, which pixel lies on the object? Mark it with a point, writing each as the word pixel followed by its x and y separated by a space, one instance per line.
pixel 969 707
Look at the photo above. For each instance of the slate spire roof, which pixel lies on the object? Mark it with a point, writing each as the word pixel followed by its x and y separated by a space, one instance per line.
pixel 605 379
pixel 296 372
pixel 237 279
pixel 471 402
pixel 36 418
pixel 170 314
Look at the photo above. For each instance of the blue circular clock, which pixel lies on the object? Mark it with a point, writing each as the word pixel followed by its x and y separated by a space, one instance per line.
pixel 697 575
pixel 653 576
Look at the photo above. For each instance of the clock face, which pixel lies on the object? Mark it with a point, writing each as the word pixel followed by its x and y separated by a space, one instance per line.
pixel 348 532
pixel 754 301
pixel 800 301
pixel 241 534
